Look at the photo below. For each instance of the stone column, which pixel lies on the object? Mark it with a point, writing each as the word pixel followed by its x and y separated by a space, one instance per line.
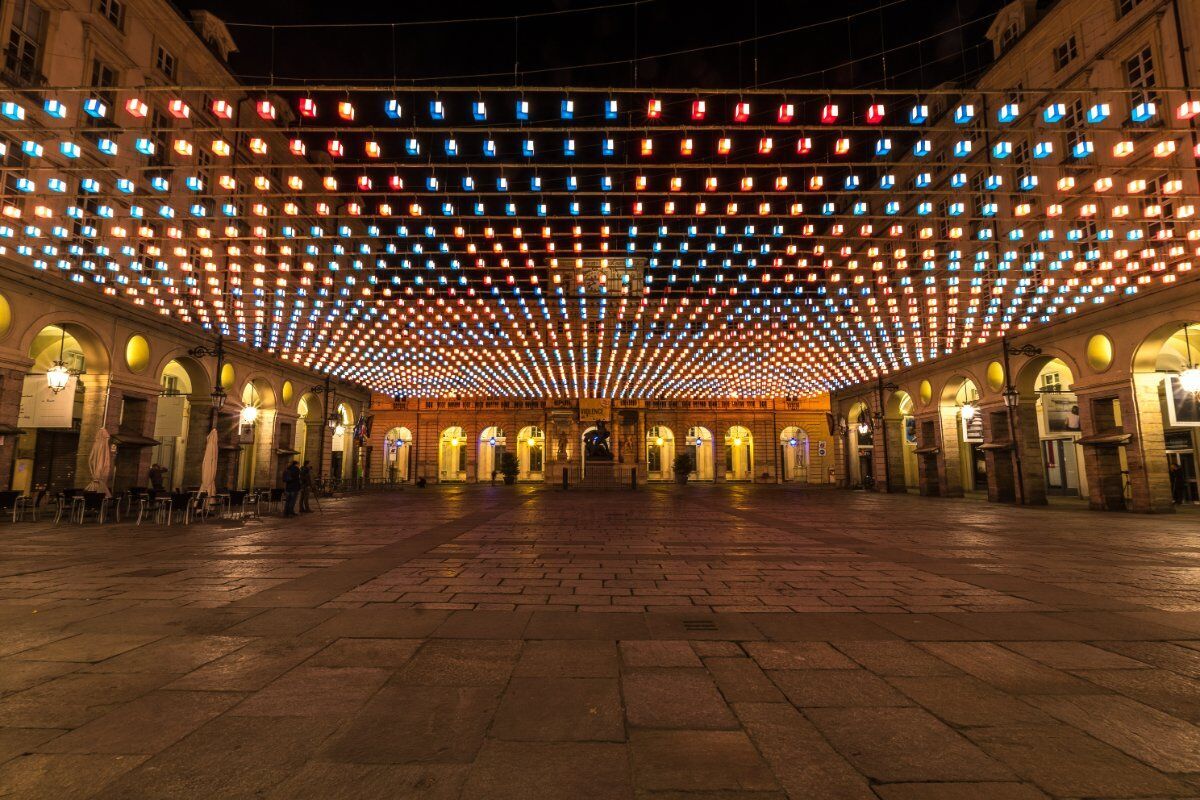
pixel 950 481
pixel 1102 463
pixel 266 461
pixel 1142 415
pixel 101 409
pixel 1001 483
pixel 889 460
pixel 199 424
pixel 1033 472
pixel 929 476
pixel 12 380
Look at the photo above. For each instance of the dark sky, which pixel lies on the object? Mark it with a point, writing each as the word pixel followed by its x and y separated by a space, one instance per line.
pixel 549 49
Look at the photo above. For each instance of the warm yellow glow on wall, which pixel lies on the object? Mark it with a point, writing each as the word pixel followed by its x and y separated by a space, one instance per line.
pixel 137 353
pixel 287 392
pixel 227 377
pixel 925 391
pixel 1099 352
pixel 995 376
pixel 5 315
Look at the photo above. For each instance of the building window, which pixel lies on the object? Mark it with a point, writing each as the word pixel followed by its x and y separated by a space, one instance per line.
pixel 1009 36
pixel 1073 124
pixel 1156 196
pixel 160 128
pixel 165 61
pixel 1125 6
pixel 1139 71
pixel 13 157
pixel 103 80
pixel 22 55
pixel 114 12
pixel 1066 52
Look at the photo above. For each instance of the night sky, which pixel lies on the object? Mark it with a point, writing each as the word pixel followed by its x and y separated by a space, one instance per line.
pixel 929 41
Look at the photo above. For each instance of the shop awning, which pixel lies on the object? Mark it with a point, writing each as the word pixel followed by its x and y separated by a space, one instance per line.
pixel 10 430
pixel 927 451
pixel 127 437
pixel 996 446
pixel 1105 439
pixel 283 451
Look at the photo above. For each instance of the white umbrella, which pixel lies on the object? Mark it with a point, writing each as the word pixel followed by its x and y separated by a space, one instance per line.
pixel 100 463
pixel 208 467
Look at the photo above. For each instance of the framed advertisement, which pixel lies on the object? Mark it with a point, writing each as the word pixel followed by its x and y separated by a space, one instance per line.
pixel 910 430
pixel 1183 407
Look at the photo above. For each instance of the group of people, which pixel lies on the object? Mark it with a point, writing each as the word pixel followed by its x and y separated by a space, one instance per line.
pixel 297 485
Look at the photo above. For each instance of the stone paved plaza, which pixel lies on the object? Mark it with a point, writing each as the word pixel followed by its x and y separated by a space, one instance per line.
pixel 714 642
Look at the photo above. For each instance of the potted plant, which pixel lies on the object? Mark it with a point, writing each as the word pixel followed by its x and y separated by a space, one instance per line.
pixel 683 467
pixel 509 467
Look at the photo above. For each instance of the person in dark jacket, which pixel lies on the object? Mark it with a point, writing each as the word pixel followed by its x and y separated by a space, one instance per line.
pixel 291 488
pixel 306 486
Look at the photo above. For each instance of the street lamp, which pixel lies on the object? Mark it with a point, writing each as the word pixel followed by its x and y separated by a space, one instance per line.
pixel 968 411
pixel 59 374
pixel 249 415
pixel 57 377
pixel 218 393
pixel 1012 396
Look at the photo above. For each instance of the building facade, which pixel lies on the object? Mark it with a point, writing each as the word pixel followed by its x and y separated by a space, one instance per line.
pixel 464 440
pixel 1093 404
pixel 135 371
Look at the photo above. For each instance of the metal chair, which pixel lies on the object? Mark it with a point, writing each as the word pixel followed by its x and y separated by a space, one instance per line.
pixel 93 503
pixel 66 502
pixel 28 506
pixel 9 501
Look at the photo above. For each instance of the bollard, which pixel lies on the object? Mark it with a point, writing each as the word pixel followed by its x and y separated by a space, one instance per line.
pixel 633 479
pixel 565 478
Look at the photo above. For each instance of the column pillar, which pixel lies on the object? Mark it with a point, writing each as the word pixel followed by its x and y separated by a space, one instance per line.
pixel 12 381
pixel 1149 477
pixel 889 460
pixel 949 460
pixel 265 442
pixel 199 424
pixel 929 448
pixel 1033 473
pixel 1001 481
pixel 101 409
pixel 1102 461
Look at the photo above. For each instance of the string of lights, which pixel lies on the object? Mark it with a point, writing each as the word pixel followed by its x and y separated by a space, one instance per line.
pixel 616 242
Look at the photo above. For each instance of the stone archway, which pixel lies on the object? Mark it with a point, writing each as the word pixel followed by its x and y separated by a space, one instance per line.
pixel 1160 422
pixel 65 400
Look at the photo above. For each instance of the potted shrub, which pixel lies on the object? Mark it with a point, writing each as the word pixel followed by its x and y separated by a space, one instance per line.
pixel 509 467
pixel 683 467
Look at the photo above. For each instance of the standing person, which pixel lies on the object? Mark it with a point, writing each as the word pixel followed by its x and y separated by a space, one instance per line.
pixel 1179 492
pixel 306 485
pixel 291 488
pixel 156 477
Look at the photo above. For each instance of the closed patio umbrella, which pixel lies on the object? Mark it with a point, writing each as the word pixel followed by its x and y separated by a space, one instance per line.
pixel 208 467
pixel 100 463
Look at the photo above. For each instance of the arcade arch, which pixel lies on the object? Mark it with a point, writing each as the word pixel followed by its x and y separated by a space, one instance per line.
pixel 739 454
pixel 452 455
pixel 699 443
pixel 660 453
pixel 793 448
pixel 397 454
pixel 531 453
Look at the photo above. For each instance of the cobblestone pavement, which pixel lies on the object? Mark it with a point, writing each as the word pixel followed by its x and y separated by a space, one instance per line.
pixel 509 642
